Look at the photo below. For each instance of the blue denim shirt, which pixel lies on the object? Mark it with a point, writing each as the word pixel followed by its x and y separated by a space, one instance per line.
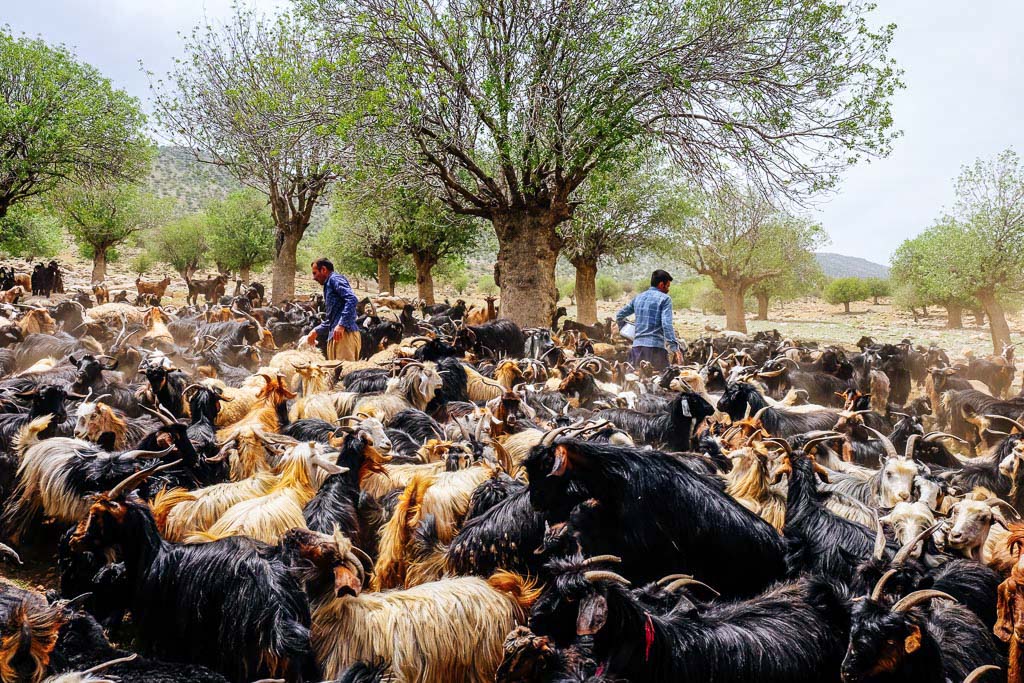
pixel 653 310
pixel 340 302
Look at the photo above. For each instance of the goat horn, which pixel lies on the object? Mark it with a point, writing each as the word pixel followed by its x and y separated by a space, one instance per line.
pixel 1015 423
pixel 137 478
pixel 917 597
pixel 934 436
pixel 364 559
pixel 599 575
pixel 112 662
pixel 689 581
pixel 665 580
pixel 554 434
pixel 904 553
pixel 590 561
pixel 879 550
pixel 159 415
pixel 147 454
pixel 976 675
pixel 1000 503
pixel 462 428
pixel 879 589
pixel 889 448
pixel 911 446
pixel 8 551
pixel 190 387
pixel 821 439
pixel 782 443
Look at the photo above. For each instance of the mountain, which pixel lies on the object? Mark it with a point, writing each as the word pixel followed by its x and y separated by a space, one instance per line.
pixel 176 173
pixel 837 265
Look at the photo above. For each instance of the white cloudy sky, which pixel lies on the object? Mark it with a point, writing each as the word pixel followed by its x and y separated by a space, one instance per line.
pixel 963 63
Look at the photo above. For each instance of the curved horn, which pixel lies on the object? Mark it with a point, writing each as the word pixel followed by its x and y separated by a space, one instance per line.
pixel 599 575
pixel 911 446
pixel 159 415
pixel 879 550
pixel 917 597
pixel 1000 503
pixel 550 437
pixel 665 580
pixel 782 443
pixel 112 662
pixel 1015 423
pixel 889 448
pixel 147 454
pixel 8 551
pixel 904 553
pixel 690 581
pixel 934 436
pixel 590 561
pixel 135 479
pixel 976 675
pixel 879 589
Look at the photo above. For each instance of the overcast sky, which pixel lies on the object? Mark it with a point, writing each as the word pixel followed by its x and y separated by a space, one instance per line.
pixel 964 95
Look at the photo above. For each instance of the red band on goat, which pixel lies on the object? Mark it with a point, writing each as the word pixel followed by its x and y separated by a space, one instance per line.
pixel 648 637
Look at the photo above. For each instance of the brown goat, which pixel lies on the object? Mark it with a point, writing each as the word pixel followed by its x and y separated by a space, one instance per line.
pixel 24 280
pixel 1010 626
pixel 37 321
pixel 102 293
pixel 12 295
pixel 155 288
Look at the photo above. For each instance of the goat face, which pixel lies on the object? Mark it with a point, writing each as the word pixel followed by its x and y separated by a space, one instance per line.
pixel 1008 465
pixel 897 481
pixel 93 419
pixel 100 528
pixel 968 525
pixel 908 520
pixel 879 641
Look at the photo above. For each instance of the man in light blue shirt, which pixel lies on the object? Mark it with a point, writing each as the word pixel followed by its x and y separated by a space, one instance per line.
pixel 653 310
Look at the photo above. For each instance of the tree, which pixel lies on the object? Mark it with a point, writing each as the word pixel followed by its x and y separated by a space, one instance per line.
pixel 508 107
pixel 878 286
pixel 921 267
pixel 240 232
pixel 30 232
pixel 61 121
pixel 843 290
pixel 738 239
pixel 247 97
pixel 801 276
pixel 100 216
pixel 182 243
pixel 616 218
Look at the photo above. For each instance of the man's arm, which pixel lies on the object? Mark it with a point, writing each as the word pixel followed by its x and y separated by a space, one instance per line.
pixel 351 302
pixel 666 325
pixel 330 303
pixel 624 312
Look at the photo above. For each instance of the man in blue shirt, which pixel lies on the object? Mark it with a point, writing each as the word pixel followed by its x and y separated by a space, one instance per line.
pixel 653 309
pixel 338 334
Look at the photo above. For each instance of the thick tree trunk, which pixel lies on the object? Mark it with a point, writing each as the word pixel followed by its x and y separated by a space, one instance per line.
pixel 424 278
pixel 283 277
pixel 384 276
pixel 762 306
pixel 979 316
pixel 586 292
pixel 954 316
pixel 846 304
pixel 243 274
pixel 732 296
pixel 997 326
pixel 528 246
pixel 99 265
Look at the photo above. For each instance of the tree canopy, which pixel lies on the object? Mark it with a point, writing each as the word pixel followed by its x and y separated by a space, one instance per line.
pixel 240 232
pixel 182 243
pixel 61 120
pixel 844 290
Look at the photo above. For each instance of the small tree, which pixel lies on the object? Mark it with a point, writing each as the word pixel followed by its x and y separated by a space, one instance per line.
pixel 182 243
pixel 61 121
pixel 877 287
pixel 102 216
pixel 30 232
pixel 240 232
pixel 485 285
pixel 142 263
pixel 846 289
pixel 608 288
pixel 802 276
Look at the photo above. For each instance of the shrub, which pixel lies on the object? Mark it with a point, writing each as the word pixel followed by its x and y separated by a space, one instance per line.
pixel 460 283
pixel 485 285
pixel 608 288
pixel 30 233
pixel 142 263
pixel 846 289
pixel 878 287
pixel 627 287
pixel 566 288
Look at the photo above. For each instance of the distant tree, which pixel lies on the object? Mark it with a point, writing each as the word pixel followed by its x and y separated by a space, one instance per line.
pixel 921 266
pixel 738 239
pixel 182 243
pixel 101 216
pixel 508 107
pixel 878 286
pixel 460 283
pixel 485 285
pixel 846 289
pixel 60 120
pixel 608 289
pixel 247 97
pixel 31 232
pixel 800 277
pixel 142 263
pixel 240 232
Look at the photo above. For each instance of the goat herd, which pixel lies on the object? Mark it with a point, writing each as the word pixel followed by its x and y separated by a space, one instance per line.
pixel 472 501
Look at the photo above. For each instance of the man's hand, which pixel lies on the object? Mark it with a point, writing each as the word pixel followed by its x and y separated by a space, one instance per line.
pixel 311 338
pixel 338 333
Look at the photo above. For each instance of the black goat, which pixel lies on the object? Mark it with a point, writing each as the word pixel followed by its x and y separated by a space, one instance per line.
pixel 495 339
pixel 378 337
pixel 741 399
pixel 675 429
pixel 642 498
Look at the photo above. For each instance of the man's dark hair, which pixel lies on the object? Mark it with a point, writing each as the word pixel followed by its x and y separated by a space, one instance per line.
pixel 659 276
pixel 326 263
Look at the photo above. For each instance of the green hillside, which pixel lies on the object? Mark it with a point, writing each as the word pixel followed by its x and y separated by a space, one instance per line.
pixel 176 173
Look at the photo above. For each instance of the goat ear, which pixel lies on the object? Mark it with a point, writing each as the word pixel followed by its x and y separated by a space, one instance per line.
pixel 563 455
pixel 912 642
pixel 592 615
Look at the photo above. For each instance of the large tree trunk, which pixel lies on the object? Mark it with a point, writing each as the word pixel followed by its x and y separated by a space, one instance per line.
pixel 528 246
pixel 586 292
pixel 996 321
pixel 732 296
pixel 99 265
pixel 954 316
pixel 283 278
pixel 384 276
pixel 846 304
pixel 424 278
pixel 979 316
pixel 243 274
pixel 762 306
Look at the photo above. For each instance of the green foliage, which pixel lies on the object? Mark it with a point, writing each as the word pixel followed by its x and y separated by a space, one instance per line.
pixel 30 232
pixel 460 283
pixel 845 290
pixel 142 263
pixel 241 231
pixel 485 285
pixel 608 288
pixel 710 301
pixel 878 287
pixel 176 173
pixel 566 287
pixel 62 120
pixel 689 292
pixel 182 243
pixel 627 286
